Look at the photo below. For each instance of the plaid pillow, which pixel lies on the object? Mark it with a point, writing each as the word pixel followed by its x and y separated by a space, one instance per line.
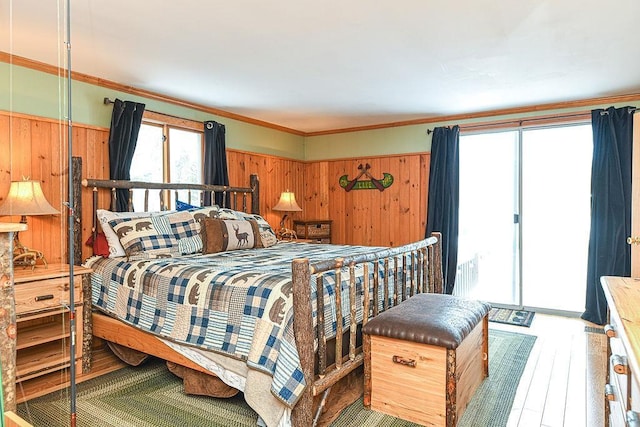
pixel 145 234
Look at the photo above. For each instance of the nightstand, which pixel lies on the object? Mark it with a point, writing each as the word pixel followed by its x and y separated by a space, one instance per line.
pixel 42 320
pixel 317 230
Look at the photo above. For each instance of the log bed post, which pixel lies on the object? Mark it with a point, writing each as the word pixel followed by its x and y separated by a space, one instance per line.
pixel 302 413
pixel 254 183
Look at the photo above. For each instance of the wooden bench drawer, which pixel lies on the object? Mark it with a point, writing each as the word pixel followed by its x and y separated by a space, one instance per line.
pixel 413 391
pixel 409 380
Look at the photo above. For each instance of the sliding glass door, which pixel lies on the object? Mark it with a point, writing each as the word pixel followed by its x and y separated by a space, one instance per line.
pixel 488 237
pixel 524 217
pixel 556 208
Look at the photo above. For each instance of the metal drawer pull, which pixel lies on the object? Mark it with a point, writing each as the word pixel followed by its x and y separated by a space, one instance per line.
pixel 610 331
pixel 619 364
pixel 632 419
pixel 609 394
pixel 406 362
pixel 44 297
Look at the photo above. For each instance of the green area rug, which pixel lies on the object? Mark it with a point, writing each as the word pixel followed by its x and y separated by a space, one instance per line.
pixel 511 317
pixel 150 396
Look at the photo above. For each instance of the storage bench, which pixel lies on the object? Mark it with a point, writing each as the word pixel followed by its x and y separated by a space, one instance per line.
pixel 425 357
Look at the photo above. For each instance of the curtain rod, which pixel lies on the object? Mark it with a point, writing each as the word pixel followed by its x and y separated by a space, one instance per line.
pixel 519 122
pixel 107 101
pixel 631 111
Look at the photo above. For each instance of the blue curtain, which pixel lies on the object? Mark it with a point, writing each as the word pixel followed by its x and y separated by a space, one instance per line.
pixel 215 161
pixel 609 253
pixel 444 201
pixel 126 119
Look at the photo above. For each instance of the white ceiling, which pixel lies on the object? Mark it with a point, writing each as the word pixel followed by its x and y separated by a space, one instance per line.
pixel 322 65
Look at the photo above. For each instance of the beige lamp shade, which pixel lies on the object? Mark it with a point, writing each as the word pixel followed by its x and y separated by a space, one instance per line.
pixel 287 203
pixel 26 198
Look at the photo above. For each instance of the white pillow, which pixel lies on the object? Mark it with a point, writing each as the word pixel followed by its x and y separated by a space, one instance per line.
pixel 104 216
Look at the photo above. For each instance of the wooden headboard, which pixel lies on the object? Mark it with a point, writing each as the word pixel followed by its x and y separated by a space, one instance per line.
pixel 238 197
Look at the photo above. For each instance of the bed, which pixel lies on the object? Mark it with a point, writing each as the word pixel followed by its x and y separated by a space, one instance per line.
pixel 280 321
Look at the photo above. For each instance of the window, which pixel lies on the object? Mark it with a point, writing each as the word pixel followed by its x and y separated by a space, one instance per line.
pixel 166 153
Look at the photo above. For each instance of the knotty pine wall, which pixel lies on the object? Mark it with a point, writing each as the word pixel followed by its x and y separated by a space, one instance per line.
pixel 392 217
pixel 37 148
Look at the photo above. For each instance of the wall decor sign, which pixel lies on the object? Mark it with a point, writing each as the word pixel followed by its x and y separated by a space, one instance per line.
pixel 366 184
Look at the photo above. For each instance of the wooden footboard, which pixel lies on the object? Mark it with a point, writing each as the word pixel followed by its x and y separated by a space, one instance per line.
pixel 415 268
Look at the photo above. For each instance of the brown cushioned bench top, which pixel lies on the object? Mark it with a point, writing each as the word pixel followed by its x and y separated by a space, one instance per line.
pixel 434 319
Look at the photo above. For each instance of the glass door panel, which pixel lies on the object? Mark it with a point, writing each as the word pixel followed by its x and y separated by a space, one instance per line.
pixel 488 238
pixel 556 197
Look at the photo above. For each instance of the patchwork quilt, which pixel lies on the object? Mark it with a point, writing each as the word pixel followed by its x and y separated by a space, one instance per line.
pixel 237 303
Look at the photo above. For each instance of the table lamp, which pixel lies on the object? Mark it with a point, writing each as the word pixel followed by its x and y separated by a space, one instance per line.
pixel 287 203
pixel 26 198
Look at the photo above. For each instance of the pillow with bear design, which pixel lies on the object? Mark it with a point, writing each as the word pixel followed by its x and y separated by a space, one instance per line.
pixel 143 234
pixel 178 230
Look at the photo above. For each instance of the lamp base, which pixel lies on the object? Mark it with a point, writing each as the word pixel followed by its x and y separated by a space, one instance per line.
pixel 25 257
pixel 29 259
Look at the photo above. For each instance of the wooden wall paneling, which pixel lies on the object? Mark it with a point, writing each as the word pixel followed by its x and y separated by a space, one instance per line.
pixel 20 148
pixel 95 164
pixel 403 177
pixel 94 150
pixel 384 221
pixel 322 211
pixel 337 202
pixel 359 203
pixel 316 191
pixel 425 160
pixel 309 196
pixel 41 171
pixel 392 217
pixel 5 159
pixel 296 179
pixel 276 175
pixel 57 139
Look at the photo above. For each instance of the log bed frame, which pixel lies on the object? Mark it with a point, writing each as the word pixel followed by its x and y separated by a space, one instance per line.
pixel 336 367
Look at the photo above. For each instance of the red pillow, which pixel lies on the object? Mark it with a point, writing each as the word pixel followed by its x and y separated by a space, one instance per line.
pixel 100 246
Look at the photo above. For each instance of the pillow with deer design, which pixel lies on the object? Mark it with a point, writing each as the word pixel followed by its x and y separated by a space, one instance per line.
pixel 220 235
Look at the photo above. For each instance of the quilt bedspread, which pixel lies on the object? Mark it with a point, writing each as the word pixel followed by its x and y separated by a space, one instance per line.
pixel 238 303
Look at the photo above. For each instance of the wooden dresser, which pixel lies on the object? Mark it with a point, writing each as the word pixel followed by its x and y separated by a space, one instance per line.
pixel 622 391
pixel 42 316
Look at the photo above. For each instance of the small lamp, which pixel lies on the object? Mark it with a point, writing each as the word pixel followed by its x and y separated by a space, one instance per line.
pixel 287 203
pixel 26 198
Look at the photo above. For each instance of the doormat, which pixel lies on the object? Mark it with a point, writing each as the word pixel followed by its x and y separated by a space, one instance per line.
pixel 511 317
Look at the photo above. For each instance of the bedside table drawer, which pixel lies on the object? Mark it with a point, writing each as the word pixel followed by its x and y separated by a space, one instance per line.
pixel 44 294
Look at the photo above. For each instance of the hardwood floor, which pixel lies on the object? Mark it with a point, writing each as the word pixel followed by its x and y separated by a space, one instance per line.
pixel 563 382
